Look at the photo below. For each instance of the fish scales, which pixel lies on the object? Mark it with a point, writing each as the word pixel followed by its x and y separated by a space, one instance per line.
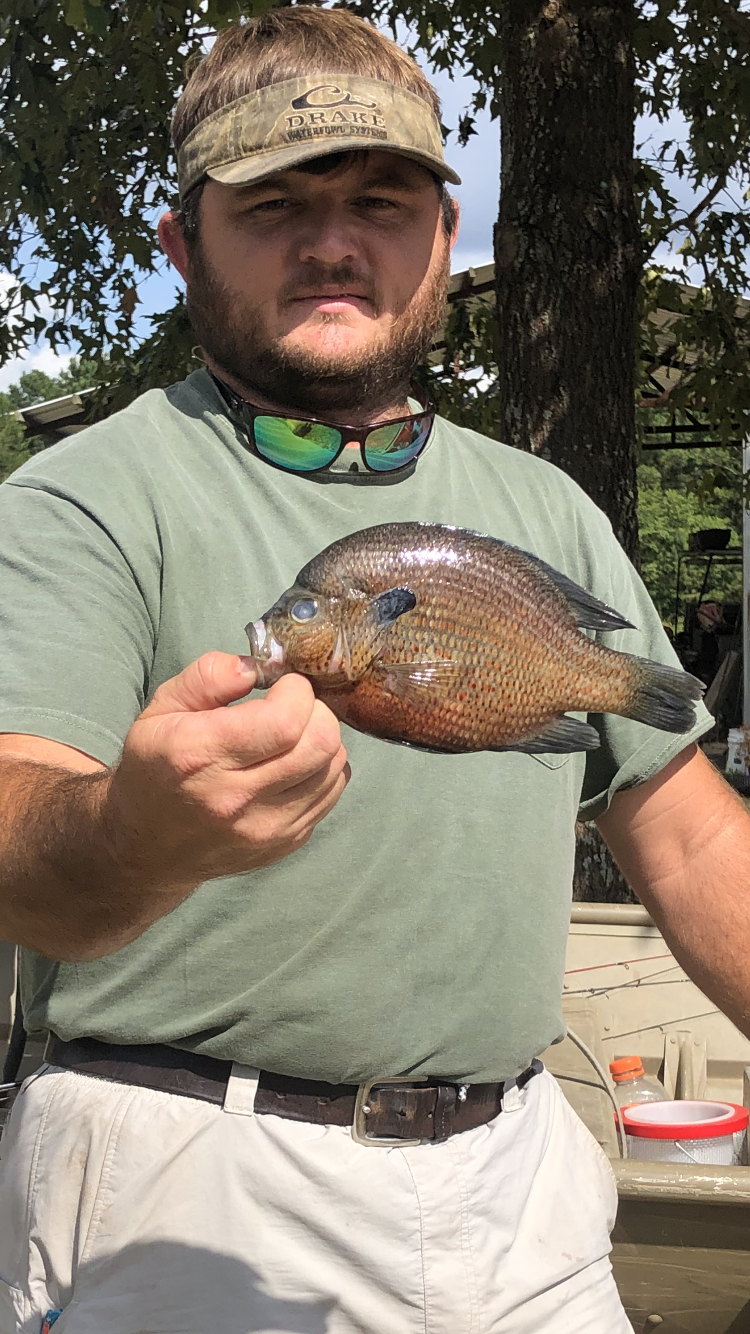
pixel 515 623
pixel 456 641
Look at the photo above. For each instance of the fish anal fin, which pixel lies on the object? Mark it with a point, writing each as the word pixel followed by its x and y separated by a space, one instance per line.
pixel 559 737
pixel 413 745
pixel 419 683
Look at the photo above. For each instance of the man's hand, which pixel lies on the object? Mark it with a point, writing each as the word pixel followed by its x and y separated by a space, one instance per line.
pixel 682 841
pixel 204 791
pixel 91 857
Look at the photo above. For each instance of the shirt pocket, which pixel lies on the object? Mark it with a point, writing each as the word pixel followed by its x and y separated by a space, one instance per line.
pixel 553 761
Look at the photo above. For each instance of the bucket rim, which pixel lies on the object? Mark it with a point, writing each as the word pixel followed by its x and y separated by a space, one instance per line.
pixel 733 1118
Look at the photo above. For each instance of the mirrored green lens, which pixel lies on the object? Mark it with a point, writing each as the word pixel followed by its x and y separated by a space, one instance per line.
pixel 298 445
pixel 390 447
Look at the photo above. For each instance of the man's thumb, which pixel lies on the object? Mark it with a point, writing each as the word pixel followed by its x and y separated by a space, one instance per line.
pixel 210 682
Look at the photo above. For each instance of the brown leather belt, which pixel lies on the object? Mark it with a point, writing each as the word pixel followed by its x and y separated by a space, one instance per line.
pixel 379 1112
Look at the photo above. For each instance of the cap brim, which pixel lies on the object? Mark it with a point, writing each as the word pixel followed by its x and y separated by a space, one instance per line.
pixel 262 164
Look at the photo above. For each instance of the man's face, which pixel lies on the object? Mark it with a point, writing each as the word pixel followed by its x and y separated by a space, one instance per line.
pixel 321 292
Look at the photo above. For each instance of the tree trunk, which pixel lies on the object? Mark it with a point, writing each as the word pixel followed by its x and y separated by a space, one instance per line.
pixel 567 266
pixel 597 878
pixel 566 244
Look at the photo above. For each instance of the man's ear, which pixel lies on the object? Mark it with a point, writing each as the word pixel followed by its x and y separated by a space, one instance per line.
pixel 456 222
pixel 172 239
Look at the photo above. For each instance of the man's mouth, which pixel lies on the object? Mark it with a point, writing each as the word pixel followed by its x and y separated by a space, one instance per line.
pixel 333 302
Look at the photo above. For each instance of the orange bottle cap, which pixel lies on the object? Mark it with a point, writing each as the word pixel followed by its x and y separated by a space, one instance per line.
pixel 627 1067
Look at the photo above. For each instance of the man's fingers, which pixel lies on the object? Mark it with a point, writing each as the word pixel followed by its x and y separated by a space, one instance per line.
pixel 251 733
pixel 288 792
pixel 210 682
pixel 324 804
pixel 288 722
pixel 293 821
pixel 228 789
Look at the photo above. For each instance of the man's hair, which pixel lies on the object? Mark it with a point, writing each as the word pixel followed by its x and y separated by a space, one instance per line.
pixel 287 44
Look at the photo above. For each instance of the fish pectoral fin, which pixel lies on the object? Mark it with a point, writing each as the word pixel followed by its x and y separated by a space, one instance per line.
pixel 559 737
pixel 589 612
pixel 388 606
pixel 419 683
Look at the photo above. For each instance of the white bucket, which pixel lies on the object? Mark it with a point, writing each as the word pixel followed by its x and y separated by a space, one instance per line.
pixel 686 1132
pixel 737 746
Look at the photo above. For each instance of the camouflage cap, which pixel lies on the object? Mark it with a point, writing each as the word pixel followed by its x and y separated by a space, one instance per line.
pixel 287 123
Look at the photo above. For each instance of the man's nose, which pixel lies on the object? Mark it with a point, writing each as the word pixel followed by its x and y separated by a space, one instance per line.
pixel 328 239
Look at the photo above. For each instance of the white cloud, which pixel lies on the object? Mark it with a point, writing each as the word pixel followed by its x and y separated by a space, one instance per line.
pixel 37 359
pixel 40 357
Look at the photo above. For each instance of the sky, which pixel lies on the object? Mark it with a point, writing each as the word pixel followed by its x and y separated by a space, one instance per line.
pixel 478 164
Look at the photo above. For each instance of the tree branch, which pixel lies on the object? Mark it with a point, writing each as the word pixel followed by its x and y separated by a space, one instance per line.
pixel 658 401
pixel 692 217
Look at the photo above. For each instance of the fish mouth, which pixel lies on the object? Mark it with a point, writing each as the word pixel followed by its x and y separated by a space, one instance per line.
pixel 267 653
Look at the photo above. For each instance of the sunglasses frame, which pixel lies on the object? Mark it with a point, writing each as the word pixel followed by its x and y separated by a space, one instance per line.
pixel 247 414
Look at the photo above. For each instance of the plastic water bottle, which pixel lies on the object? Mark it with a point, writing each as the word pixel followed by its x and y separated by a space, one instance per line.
pixel 632 1084
pixel 737 740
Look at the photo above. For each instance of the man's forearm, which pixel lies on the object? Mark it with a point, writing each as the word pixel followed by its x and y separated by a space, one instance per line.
pixel 689 863
pixel 88 861
pixel 66 890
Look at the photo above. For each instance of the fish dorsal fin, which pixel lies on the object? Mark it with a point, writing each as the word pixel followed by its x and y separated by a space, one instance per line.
pixel 419 683
pixel 589 612
pixel 559 737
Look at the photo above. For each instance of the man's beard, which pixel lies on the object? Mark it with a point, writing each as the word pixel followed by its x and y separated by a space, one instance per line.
pixel 364 382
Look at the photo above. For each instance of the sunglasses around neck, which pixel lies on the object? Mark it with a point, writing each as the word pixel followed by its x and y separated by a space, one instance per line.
pixel 308 445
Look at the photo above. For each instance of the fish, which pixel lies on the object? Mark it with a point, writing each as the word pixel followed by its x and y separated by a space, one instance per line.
pixel 454 641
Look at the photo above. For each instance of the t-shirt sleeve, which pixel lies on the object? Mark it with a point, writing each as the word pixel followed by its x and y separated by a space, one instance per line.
pixel 76 636
pixel 630 752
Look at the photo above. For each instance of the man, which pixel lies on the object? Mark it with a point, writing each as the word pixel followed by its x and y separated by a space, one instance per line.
pixel 226 942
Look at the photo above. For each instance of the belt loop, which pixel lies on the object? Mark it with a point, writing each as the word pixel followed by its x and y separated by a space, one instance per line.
pixel 242 1087
pixel 514 1088
pixel 512 1100
pixel 445 1110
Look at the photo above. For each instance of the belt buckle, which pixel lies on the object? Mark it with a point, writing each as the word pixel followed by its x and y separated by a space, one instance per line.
pixel 361 1108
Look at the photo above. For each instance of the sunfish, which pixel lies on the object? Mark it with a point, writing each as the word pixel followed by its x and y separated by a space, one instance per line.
pixel 453 641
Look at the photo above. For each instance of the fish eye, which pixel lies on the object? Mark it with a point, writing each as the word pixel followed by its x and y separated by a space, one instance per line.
pixel 304 610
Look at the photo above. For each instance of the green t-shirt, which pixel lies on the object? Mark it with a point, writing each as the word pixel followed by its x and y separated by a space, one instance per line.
pixel 422 929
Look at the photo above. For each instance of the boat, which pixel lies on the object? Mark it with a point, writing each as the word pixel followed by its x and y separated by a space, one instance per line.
pixel 681 1244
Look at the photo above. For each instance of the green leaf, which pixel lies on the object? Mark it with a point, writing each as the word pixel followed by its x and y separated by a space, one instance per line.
pixel 75 13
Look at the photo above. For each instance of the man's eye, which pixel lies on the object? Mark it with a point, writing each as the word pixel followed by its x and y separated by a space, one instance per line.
pixel 376 202
pixel 264 206
pixel 271 205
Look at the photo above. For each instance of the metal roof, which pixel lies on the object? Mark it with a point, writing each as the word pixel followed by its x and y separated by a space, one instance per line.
pixel 478 286
pixel 60 417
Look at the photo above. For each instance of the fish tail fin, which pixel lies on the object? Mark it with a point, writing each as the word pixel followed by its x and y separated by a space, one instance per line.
pixel 663 697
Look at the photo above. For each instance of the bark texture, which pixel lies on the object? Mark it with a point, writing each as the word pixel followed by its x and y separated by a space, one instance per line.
pixel 597 878
pixel 567 265
pixel 567 244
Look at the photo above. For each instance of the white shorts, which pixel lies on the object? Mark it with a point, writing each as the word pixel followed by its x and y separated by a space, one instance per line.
pixel 138 1212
